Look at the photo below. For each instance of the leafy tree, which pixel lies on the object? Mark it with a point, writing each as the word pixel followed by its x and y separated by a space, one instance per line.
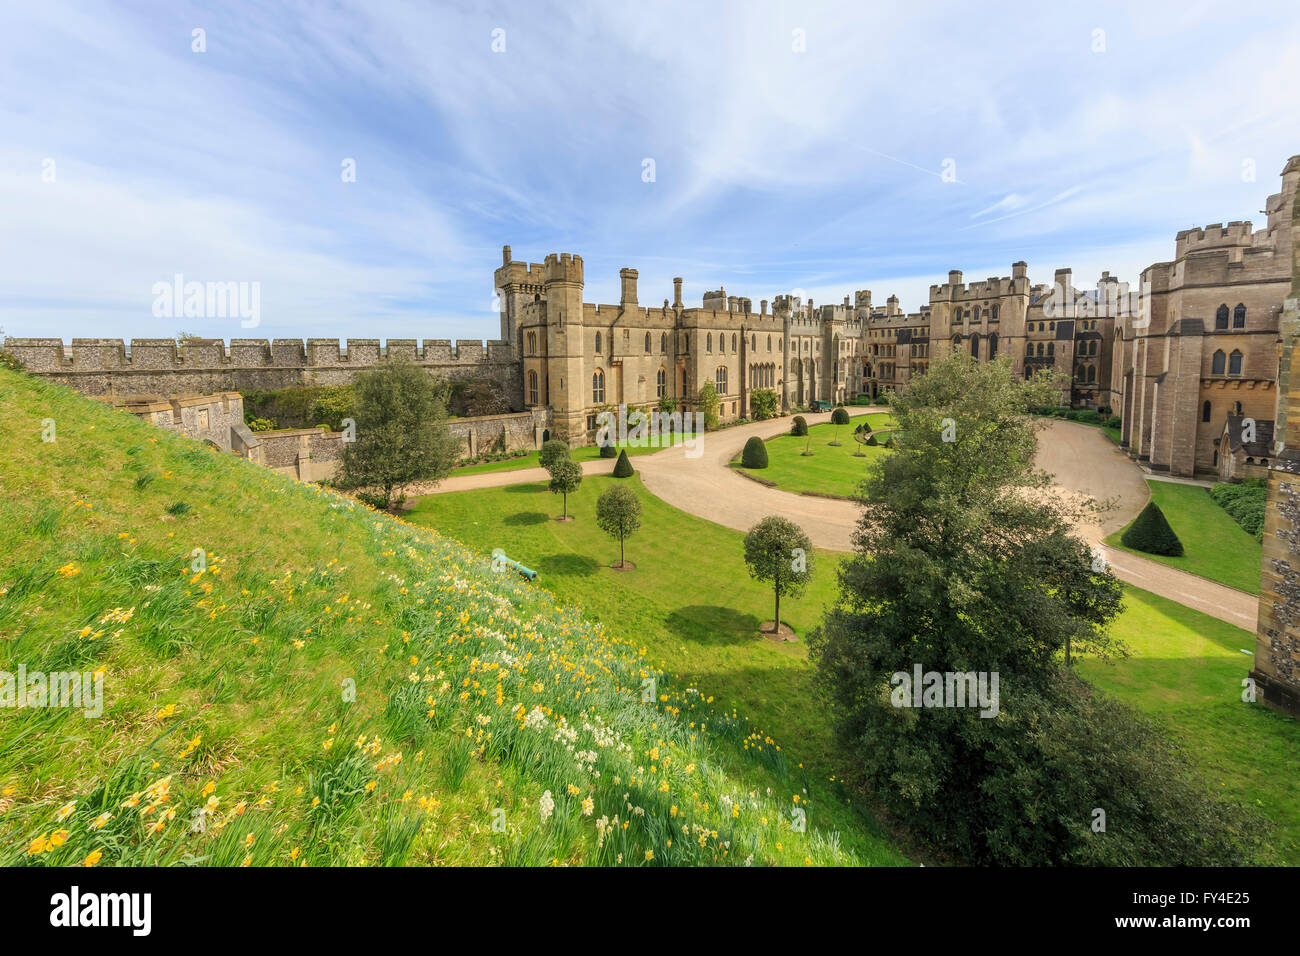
pixel 777 550
pixel 762 404
pixel 401 433
pixel 618 514
pixel 1150 532
pixel 623 468
pixel 566 476
pixel 840 416
pixel 708 403
pixel 799 427
pixel 754 454
pixel 552 451
pixel 967 562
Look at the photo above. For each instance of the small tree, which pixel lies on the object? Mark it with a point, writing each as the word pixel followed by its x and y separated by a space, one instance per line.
pixel 762 404
pixel 777 550
pixel 618 514
pixel 799 427
pixel 566 476
pixel 623 468
pixel 1150 532
pixel 401 433
pixel 839 416
pixel 552 451
pixel 709 403
pixel 755 453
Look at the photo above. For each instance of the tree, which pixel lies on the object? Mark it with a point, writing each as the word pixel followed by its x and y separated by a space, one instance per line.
pixel 839 416
pixel 799 426
pixel 966 563
pixel 708 403
pixel 762 404
pixel 552 451
pixel 623 468
pixel 777 550
pixel 618 514
pixel 1150 532
pixel 754 454
pixel 566 476
pixel 401 434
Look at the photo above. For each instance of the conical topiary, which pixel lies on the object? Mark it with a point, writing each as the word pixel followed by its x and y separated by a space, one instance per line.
pixel 609 451
pixel 623 468
pixel 755 453
pixel 1150 532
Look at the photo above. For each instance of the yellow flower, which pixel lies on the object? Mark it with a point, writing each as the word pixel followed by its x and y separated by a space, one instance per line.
pixel 58 837
pixel 100 820
pixel 65 811
pixel 92 858
pixel 165 712
pixel 649 854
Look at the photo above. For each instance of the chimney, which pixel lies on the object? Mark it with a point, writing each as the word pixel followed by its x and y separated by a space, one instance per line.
pixel 677 292
pixel 505 255
pixel 1020 270
pixel 628 278
pixel 763 307
pixel 954 277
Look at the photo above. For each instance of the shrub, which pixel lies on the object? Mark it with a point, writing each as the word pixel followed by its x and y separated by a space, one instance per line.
pixel 623 468
pixel 262 425
pixel 608 451
pixel 763 404
pixel 708 404
pixel 840 416
pixel 755 453
pixel 1114 422
pixel 552 451
pixel 1150 532
pixel 1244 502
pixel 799 427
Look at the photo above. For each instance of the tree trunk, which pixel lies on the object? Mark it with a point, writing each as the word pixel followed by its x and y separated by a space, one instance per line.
pixel 620 551
pixel 776 623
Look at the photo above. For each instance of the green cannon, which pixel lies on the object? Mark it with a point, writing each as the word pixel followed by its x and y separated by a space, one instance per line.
pixel 500 563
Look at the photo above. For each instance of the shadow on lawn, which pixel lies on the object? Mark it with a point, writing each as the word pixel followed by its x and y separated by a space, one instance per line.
pixel 525 518
pixel 575 564
pixel 712 625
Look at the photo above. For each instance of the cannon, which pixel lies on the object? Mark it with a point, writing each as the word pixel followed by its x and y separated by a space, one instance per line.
pixel 500 563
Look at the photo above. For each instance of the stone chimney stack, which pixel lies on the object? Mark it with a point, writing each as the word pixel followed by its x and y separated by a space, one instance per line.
pixel 1020 270
pixel 677 292
pixel 628 278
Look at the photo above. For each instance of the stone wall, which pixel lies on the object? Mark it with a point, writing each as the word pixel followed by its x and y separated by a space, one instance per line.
pixel 523 431
pixel 209 418
pixel 106 367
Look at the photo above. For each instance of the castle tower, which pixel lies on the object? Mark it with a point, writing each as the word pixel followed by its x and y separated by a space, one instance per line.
pixel 568 371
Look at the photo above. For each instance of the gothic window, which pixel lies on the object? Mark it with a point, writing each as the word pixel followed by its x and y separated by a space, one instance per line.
pixel 661 382
pixel 1029 349
pixel 647 343
pixel 1205 411
pixel 720 379
pixel 708 342
pixel 663 342
pixel 1051 349
pixel 1234 363
pixel 993 347
pixel 1236 408
pixel 598 387
pixel 769 343
pixel 753 343
pixel 532 388
pixel 597 343
pixel 956 341
pixel 995 312
pixel 975 345
pixel 1040 349
pixel 1239 317
pixel 722 342
pixel 532 343
pixel 1221 318
pixel 733 341
pixel 1092 374
pixel 1217 363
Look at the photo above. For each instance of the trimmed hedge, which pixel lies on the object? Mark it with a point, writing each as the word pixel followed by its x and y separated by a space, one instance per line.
pixel 755 453
pixel 1244 503
pixel 799 427
pixel 1150 532
pixel 840 416
pixel 623 468
pixel 608 451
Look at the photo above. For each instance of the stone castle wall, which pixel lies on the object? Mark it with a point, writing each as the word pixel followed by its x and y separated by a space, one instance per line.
pixel 106 367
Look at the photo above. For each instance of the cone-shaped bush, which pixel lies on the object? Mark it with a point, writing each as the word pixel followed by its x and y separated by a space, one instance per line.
pixel 755 453
pixel 840 416
pixel 608 451
pixel 1150 532
pixel 799 427
pixel 623 468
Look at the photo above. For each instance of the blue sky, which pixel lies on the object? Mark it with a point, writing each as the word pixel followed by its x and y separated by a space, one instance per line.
pixel 776 169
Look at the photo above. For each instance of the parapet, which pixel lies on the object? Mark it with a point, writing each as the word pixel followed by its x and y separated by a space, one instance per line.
pixel 564 267
pixel 1215 236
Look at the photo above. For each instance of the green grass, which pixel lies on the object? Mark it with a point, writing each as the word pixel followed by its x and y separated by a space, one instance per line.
pixel 696 618
pixel 829 470
pixel 333 686
pixel 1214 546
pixel 586 453
pixel 1186 668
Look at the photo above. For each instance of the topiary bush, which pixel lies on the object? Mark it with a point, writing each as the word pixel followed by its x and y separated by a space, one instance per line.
pixel 608 451
pixel 755 453
pixel 799 427
pixel 623 468
pixel 840 416
pixel 1150 532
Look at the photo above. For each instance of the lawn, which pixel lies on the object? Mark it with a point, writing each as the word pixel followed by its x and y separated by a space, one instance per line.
pixel 698 618
pixel 586 453
pixel 829 470
pixel 1186 669
pixel 1214 546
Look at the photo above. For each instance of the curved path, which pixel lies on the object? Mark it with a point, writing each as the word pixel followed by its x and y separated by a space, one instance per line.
pixel 1080 458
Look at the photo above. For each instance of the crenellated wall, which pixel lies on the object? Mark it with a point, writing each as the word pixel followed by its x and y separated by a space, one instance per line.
pixel 106 367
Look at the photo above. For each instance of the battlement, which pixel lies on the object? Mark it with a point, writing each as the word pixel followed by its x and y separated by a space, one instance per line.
pixel 1216 236
pixel 564 267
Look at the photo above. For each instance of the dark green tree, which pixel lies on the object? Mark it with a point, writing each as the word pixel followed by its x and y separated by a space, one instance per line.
pixel 799 426
pixel 754 454
pixel 709 403
pixel 566 476
pixel 552 451
pixel 618 514
pixel 778 551
pixel 401 433
pixel 623 468
pixel 762 404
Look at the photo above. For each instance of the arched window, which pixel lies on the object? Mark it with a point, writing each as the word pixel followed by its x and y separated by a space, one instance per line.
pixel 995 312
pixel 532 343
pixel 1040 349
pixel 733 341
pixel 1206 411
pixel 1218 362
pixel 1221 318
pixel 720 379
pixel 769 343
pixel 722 341
pixel 993 347
pixel 598 387
pixel 708 342
pixel 597 343
pixel 532 387
pixel 647 343
pixel 956 342
pixel 1092 374
pixel 977 313
pixel 1236 408
pixel 753 343
pixel 975 345
pixel 1239 317
pixel 1051 349
pixel 663 342
pixel 1029 350
pixel 661 382
pixel 1234 363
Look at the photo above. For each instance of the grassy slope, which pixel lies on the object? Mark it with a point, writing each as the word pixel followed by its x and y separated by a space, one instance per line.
pixel 1187 668
pixel 226 736
pixel 830 470
pixel 1214 546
